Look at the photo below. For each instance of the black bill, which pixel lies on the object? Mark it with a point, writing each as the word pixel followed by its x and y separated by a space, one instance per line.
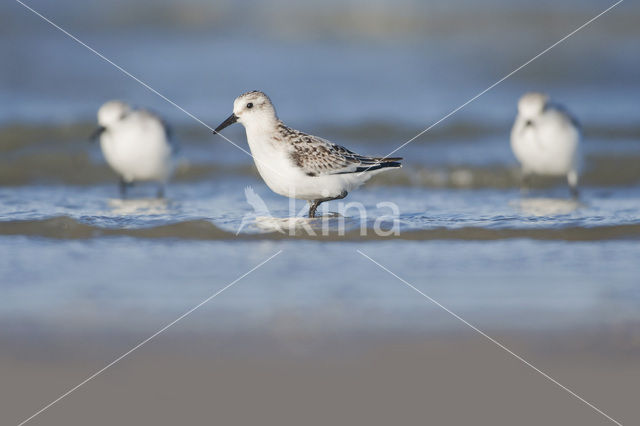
pixel 226 123
pixel 96 133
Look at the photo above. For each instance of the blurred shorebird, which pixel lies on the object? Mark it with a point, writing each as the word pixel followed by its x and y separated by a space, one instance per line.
pixel 295 164
pixel 545 139
pixel 136 144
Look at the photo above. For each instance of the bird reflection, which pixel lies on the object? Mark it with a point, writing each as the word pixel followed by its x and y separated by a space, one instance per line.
pixel 547 206
pixel 139 206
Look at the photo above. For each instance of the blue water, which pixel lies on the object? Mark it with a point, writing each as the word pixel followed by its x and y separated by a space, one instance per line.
pixel 369 87
pixel 130 283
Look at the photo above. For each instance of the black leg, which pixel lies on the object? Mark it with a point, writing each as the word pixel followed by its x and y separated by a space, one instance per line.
pixel 575 194
pixel 313 207
pixel 122 185
pixel 572 180
pixel 525 182
pixel 160 193
pixel 315 203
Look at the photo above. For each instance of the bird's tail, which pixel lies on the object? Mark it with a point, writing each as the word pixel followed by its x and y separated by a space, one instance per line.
pixel 387 159
pixel 377 163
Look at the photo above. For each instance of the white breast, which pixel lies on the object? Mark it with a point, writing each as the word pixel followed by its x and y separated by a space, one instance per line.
pixel 137 148
pixel 549 147
pixel 282 176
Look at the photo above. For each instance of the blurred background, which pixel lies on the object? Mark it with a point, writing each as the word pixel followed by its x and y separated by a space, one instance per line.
pixel 319 335
pixel 328 63
pixel 368 74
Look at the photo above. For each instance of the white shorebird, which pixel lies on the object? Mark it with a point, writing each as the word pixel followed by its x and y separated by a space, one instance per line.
pixel 136 143
pixel 546 139
pixel 298 165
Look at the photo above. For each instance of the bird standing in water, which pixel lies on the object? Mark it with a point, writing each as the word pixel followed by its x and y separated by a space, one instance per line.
pixel 545 139
pixel 295 164
pixel 136 144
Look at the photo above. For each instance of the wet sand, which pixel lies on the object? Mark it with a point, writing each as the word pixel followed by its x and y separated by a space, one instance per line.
pixel 306 377
pixel 288 228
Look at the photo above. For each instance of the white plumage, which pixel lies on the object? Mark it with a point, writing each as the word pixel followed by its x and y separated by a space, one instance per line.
pixel 136 144
pixel 546 139
pixel 295 164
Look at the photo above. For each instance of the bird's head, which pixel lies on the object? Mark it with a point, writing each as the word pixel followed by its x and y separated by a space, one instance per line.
pixel 110 113
pixel 532 104
pixel 251 108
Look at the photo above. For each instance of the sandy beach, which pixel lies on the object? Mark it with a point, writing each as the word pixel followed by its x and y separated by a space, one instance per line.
pixel 307 377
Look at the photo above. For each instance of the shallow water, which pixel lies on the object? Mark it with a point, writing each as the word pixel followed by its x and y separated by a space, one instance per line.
pixel 462 226
pixel 80 257
pixel 86 275
pixel 107 282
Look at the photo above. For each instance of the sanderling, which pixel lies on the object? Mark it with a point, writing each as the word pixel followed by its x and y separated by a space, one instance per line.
pixel 136 143
pixel 545 139
pixel 298 165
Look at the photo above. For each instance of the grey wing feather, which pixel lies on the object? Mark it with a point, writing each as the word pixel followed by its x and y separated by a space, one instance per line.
pixel 570 117
pixel 317 156
pixel 168 130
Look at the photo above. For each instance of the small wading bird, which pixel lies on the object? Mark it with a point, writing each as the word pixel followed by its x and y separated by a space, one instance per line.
pixel 546 139
pixel 136 144
pixel 298 165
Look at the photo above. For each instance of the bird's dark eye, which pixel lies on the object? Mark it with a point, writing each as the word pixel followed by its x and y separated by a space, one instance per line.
pixel 250 105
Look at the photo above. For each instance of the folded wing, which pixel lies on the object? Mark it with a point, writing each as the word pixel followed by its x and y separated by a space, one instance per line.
pixel 318 157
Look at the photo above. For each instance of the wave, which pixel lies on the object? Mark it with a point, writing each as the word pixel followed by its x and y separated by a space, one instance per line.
pixel 19 135
pixel 66 228
pixel 601 170
pixel 81 169
pixel 62 154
